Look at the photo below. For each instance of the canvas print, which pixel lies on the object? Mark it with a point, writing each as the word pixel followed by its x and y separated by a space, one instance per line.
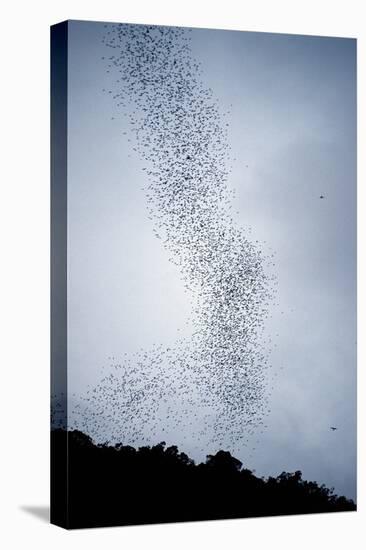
pixel 203 271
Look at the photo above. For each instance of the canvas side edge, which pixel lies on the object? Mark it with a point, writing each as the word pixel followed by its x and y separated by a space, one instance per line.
pixel 59 465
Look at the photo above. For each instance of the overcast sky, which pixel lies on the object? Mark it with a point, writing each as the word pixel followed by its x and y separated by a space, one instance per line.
pixel 292 130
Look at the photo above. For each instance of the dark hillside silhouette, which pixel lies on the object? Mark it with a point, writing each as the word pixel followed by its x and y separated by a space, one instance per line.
pixel 121 485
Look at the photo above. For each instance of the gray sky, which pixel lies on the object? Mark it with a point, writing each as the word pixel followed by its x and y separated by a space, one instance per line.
pixel 292 130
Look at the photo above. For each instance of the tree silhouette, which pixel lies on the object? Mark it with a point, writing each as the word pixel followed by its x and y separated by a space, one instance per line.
pixel 100 485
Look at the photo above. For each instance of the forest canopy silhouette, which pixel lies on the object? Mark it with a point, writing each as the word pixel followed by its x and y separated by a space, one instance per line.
pixel 121 485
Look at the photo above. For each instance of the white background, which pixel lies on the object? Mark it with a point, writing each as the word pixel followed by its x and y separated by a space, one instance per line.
pixel 24 305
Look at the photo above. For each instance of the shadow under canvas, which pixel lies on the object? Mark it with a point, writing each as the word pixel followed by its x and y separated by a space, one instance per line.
pixel 40 512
